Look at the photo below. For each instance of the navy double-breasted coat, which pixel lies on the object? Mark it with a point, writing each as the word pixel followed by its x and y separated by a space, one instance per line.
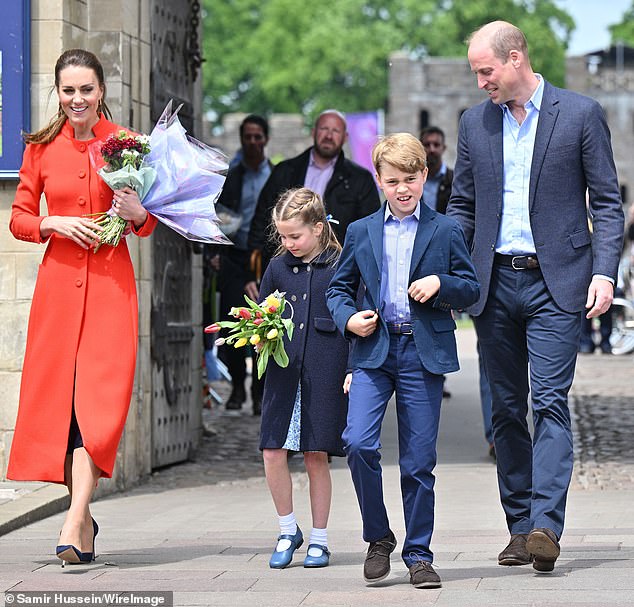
pixel 317 357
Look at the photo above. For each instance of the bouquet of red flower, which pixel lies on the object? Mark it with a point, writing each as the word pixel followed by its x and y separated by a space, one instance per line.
pixel 260 325
pixel 119 161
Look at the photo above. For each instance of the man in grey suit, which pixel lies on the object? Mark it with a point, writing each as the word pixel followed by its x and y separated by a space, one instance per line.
pixel 526 157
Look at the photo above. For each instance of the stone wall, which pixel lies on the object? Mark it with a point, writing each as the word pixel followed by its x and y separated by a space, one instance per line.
pixel 118 31
pixel 613 88
pixel 438 88
pixel 442 88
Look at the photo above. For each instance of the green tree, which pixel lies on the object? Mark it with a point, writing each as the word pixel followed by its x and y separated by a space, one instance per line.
pixel 289 56
pixel 624 31
pixel 547 29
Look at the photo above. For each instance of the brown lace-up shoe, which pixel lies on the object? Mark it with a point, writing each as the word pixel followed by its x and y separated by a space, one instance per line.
pixel 377 561
pixel 422 575
pixel 515 553
pixel 543 545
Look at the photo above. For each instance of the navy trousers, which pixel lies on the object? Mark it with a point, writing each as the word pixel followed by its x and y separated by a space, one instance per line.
pixel 485 400
pixel 418 398
pixel 526 340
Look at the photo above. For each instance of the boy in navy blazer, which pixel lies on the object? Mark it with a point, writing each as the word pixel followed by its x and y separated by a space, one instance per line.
pixel 415 268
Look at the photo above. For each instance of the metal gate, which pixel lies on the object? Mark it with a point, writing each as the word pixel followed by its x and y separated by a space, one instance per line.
pixel 176 391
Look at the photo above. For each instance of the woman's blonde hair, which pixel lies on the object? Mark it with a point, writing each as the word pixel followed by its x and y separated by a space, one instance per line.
pixel 306 206
pixel 73 57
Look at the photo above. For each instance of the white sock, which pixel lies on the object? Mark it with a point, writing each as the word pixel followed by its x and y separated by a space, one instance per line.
pixel 288 526
pixel 318 536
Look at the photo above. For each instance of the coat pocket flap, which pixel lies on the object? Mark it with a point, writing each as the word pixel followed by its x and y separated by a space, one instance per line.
pixel 325 324
pixel 580 239
pixel 443 324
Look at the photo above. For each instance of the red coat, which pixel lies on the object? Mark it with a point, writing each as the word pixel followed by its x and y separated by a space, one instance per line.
pixel 82 336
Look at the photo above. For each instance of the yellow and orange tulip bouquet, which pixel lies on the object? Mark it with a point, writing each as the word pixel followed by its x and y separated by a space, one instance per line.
pixel 260 325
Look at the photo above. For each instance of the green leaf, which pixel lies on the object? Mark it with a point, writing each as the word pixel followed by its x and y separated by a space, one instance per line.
pixel 227 324
pixel 280 356
pixel 252 304
pixel 263 359
pixel 289 326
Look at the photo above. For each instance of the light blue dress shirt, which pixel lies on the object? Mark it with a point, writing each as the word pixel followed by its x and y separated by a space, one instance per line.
pixel 515 236
pixel 252 184
pixel 398 244
pixel 430 193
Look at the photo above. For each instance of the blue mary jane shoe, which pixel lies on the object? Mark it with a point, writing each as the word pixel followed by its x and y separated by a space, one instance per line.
pixel 279 560
pixel 317 561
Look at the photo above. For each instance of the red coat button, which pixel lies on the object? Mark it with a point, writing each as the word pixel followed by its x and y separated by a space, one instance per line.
pixel 80 255
pixel 81 201
pixel 82 174
pixel 82 147
pixel 78 283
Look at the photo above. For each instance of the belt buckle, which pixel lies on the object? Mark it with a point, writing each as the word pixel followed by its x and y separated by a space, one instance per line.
pixel 409 331
pixel 513 263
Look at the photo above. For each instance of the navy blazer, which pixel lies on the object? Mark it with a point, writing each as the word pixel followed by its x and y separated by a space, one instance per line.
pixel 440 249
pixel 572 153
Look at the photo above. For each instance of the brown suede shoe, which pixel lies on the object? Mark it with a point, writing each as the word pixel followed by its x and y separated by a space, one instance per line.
pixel 377 561
pixel 515 553
pixel 542 543
pixel 422 575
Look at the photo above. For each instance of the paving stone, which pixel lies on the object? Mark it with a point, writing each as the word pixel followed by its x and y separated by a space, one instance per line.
pixel 205 529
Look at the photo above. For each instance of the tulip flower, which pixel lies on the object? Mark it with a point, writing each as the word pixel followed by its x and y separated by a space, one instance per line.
pixel 273 301
pixel 262 325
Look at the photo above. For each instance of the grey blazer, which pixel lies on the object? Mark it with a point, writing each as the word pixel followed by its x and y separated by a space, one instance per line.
pixel 572 153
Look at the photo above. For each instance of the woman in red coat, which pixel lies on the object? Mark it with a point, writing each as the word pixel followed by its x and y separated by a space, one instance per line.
pixel 81 345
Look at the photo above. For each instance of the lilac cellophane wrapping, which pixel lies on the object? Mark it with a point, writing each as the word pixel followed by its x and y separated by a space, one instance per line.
pixel 190 177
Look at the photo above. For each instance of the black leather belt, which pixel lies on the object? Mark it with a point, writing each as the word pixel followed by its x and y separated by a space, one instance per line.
pixel 400 328
pixel 517 262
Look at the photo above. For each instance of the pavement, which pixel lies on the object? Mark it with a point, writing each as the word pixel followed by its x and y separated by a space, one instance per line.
pixel 204 529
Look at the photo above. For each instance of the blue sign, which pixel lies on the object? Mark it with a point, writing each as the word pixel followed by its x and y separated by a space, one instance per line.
pixel 15 82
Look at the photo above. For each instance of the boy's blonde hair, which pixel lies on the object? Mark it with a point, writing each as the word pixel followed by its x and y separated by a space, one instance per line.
pixel 400 150
pixel 306 206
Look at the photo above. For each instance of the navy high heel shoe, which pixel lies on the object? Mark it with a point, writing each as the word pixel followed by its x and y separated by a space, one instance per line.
pixel 95 531
pixel 68 553
pixel 279 560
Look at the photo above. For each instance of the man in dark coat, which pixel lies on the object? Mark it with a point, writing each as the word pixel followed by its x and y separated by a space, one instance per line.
pixel 439 178
pixel 245 179
pixel 348 190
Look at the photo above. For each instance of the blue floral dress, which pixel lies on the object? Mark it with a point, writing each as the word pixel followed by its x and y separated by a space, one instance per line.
pixel 295 427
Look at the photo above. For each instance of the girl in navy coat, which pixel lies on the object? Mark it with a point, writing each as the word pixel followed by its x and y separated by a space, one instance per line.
pixel 304 407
